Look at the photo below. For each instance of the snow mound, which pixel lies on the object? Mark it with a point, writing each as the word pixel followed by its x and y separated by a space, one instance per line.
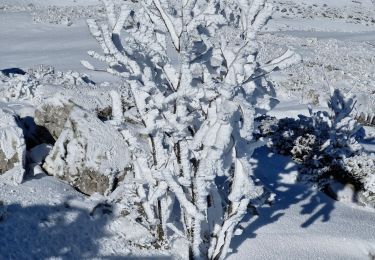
pixel 12 145
pixel 89 154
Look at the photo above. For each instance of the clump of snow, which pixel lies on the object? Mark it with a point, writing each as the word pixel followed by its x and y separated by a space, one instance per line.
pixel 342 192
pixel 26 86
pixel 19 87
pixel 49 75
pixel 89 154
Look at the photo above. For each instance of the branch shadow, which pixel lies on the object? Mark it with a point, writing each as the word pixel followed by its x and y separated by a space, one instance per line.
pixel 275 172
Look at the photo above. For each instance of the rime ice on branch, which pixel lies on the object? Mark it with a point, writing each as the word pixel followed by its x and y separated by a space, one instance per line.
pixel 190 67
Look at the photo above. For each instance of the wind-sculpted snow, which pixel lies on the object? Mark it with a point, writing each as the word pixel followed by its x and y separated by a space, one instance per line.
pixel 328 60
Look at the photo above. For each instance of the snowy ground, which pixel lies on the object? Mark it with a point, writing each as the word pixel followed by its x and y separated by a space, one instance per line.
pixel 337 51
pixel 46 218
pixel 303 224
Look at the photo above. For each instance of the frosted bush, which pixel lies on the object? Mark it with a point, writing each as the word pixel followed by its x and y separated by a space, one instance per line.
pixel 360 168
pixel 320 142
pixel 191 69
pixel 303 147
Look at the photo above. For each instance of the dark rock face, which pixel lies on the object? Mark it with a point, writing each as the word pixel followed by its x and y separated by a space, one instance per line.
pixel 92 181
pixel 53 115
pixel 89 154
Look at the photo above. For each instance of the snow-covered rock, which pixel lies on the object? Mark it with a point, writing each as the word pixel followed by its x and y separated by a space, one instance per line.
pixel 89 154
pixel 12 144
pixel 54 111
pixel 52 114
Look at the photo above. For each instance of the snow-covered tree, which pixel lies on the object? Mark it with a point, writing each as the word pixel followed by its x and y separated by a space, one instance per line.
pixel 334 134
pixel 190 68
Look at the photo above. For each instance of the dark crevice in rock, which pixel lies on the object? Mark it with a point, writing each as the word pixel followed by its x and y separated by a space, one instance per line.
pixel 104 114
pixel 34 134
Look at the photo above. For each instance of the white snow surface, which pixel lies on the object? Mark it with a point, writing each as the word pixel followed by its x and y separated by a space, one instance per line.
pixel 45 218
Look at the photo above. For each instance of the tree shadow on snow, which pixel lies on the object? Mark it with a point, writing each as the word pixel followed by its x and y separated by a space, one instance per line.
pixel 275 172
pixel 50 231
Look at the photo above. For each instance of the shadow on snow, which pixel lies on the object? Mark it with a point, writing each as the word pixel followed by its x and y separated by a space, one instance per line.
pixel 271 169
pixel 49 231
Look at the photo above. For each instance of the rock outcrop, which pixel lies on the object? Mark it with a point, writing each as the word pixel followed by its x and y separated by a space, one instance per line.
pixel 90 154
pixel 12 145
pixel 53 114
